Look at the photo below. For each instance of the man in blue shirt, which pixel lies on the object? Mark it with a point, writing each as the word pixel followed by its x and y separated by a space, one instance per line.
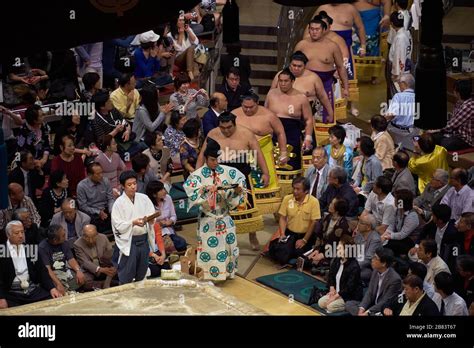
pixel 401 113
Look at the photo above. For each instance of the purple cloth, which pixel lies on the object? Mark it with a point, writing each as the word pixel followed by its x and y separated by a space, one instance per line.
pixel 328 79
pixel 347 36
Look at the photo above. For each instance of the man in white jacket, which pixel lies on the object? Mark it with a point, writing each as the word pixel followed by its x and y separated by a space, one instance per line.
pixel 134 236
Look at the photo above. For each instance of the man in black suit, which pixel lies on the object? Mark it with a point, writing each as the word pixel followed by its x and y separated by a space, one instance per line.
pixel 339 187
pixel 385 285
pixel 417 303
pixel 233 89
pixel 217 105
pixel 23 277
pixel 29 177
pixel 443 229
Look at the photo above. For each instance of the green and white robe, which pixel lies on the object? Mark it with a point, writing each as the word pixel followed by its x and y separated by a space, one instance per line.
pixel 217 252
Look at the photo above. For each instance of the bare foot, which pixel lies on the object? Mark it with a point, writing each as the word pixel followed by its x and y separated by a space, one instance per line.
pixel 254 241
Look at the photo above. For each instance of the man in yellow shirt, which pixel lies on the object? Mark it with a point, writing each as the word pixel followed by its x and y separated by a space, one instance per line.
pixel 428 157
pixel 126 98
pixel 299 213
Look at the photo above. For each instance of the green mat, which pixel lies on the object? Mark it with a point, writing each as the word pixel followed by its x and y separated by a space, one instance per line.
pixel 180 202
pixel 294 283
pixel 297 284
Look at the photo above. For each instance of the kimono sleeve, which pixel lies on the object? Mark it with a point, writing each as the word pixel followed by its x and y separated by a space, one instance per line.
pixel 193 187
pixel 235 199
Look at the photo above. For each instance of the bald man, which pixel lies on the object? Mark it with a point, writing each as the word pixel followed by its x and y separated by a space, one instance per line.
pixel 217 105
pixel 94 255
pixel 71 219
pixel 18 199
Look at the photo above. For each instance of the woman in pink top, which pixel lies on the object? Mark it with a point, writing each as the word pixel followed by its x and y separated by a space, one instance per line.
pixel 70 163
pixel 108 158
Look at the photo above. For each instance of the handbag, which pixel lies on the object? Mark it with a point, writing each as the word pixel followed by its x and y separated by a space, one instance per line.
pixel 200 54
pixel 316 294
pixel 282 251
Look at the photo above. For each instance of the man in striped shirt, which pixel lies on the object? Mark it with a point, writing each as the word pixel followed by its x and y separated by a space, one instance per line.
pixel 458 133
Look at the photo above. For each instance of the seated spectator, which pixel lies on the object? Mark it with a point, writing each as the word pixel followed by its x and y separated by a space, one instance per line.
pixel 63 75
pixel 29 177
pixel 189 149
pixel 53 196
pixel 160 159
pixel 77 127
pixel 89 58
pixel 233 59
pixel 344 279
pixel 233 89
pixel 57 256
pixel 383 142
pixel 299 213
pixel 428 157
pixel 384 286
pixel 465 226
pixel 328 233
pixel 23 279
pixel 184 42
pixel 108 120
pixel 91 81
pixel 338 153
pixel 443 230
pixel 458 133
pixel 419 269
pixel 141 167
pixel 157 257
pixel 95 198
pixel 401 113
pixel 451 304
pixel 217 105
pixel 371 167
pixel 126 98
pixel 402 178
pixel 465 267
pixel 432 194
pixel 317 174
pixel 18 200
pixel 9 120
pixel 400 234
pixel 428 254
pixel 460 197
pixel 147 60
pixel 418 303
pixel 149 116
pixel 94 255
pixel 186 100
pixel 34 137
pixel 155 190
pixel 34 234
pixel 71 219
pixel 174 135
pixel 381 204
pixel 339 187
pixel 367 236
pixel 21 77
pixel 109 160
pixel 70 163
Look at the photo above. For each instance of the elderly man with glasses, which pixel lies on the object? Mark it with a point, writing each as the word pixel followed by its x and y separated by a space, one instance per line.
pixel 369 240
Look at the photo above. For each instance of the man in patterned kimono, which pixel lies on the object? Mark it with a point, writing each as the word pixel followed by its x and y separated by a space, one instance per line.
pixel 217 189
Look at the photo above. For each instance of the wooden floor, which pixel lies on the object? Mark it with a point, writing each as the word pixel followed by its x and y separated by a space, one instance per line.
pixel 270 301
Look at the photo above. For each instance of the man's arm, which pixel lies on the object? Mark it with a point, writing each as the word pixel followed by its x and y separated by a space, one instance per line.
pixel 322 96
pixel 341 70
pixel 82 201
pixel 254 146
pixel 360 28
pixel 85 261
pixel 278 129
pixel 282 223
